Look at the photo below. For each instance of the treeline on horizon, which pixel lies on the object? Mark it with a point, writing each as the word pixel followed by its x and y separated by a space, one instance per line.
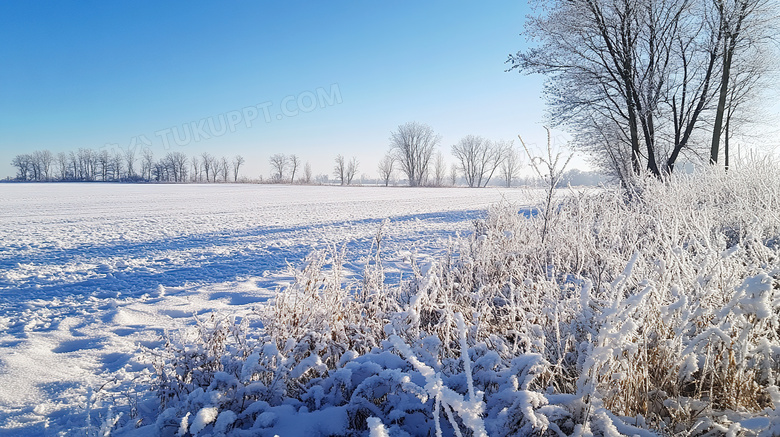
pixel 88 165
pixel 413 158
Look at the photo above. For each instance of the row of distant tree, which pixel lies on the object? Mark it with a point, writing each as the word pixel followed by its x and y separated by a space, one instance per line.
pixel 284 169
pixel 124 166
pixel 413 152
pixel 414 157
pixel 287 169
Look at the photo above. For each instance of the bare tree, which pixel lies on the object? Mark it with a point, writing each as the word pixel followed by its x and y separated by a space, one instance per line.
pixel 174 167
pixel 439 170
pixel 162 171
pixel 352 168
pixel 103 164
pixel 62 166
pixel 752 74
pixel 295 162
pixel 740 22
pixel 73 162
pixel 453 174
pixel 22 164
pixel 307 175
pixel 238 161
pixel 224 168
pixel 639 81
pixel 478 158
pixel 44 160
pixel 87 164
pixel 147 164
pixel 208 163
pixel 413 144
pixel 216 168
pixel 129 155
pixel 386 168
pixel 117 165
pixel 195 163
pixel 169 171
pixel 610 62
pixel 278 166
pixel 35 166
pixel 510 167
pixel 340 169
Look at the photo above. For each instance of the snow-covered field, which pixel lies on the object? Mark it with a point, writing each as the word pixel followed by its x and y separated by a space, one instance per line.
pixel 90 272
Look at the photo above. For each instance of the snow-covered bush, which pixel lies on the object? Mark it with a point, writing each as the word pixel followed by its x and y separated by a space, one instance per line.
pixel 184 365
pixel 654 315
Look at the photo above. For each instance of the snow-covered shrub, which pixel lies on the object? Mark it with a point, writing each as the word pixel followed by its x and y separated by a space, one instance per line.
pixel 657 314
pixel 314 325
pixel 196 359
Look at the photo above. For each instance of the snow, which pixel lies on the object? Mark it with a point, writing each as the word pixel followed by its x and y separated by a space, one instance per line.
pixel 376 427
pixel 204 417
pixel 91 272
pixel 306 311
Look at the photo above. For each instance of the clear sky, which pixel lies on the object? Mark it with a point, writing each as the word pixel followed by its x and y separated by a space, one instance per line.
pixel 311 78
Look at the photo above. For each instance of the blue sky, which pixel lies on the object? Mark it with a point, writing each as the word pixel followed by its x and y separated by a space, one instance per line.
pixel 112 74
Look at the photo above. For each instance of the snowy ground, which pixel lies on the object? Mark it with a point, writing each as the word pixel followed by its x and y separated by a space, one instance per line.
pixel 88 272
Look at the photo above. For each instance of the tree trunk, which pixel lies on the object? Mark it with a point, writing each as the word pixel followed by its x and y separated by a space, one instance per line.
pixel 635 156
pixel 717 129
pixel 726 144
pixel 728 55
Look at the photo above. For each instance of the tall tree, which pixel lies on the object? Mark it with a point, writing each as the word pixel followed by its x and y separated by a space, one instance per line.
pixel 238 161
pixel 340 169
pixel 117 165
pixel 22 164
pixel 385 168
pixel 617 67
pixel 74 165
pixel 413 144
pixel 351 171
pixel 175 165
pixel 87 164
pixel 741 23
pixel 147 164
pixel 453 174
pixel 510 166
pixel 478 158
pixel 307 174
pixel 224 167
pixel 195 163
pixel 439 170
pixel 44 160
pixel 753 74
pixel 207 162
pixel 278 166
pixel 103 164
pixel 129 155
pixel 295 162
pixel 216 168
pixel 62 166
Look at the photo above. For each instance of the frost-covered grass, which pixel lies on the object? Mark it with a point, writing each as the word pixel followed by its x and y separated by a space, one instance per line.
pixel 655 315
